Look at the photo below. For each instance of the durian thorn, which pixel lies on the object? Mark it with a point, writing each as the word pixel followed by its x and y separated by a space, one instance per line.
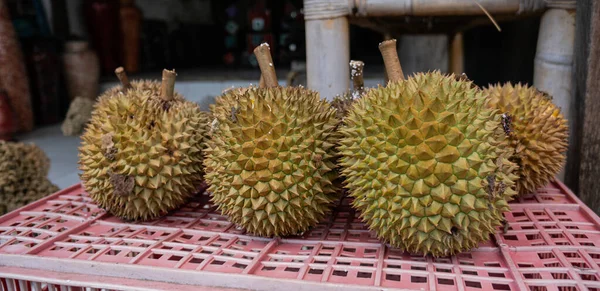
pixel 356 73
pixel 390 59
pixel 261 82
pixel 263 56
pixel 167 87
pixel 122 75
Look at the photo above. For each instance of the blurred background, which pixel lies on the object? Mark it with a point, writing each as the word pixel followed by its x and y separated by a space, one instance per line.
pixel 60 51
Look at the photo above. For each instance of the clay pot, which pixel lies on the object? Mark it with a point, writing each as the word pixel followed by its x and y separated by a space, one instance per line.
pixel 7 125
pixel 82 70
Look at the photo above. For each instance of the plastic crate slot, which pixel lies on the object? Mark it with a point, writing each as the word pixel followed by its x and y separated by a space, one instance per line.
pixel 467 263
pixel 445 270
pixel 560 276
pixel 315 271
pixel 496 275
pixel 418 279
pixel 175 258
pixel 498 286
pixel 267 268
pixel 527 227
pixel 553 265
pixel 366 275
pixel 195 260
pixel 571 255
pixel 205 251
pixel 492 264
pixel 420 268
pixel 393 277
pixel 510 237
pixel 343 263
pixel 587 244
pixel 320 262
pixel 239 266
pixel 580 265
pixel 535 236
pixel 557 235
pixel 545 256
pixel 473 284
pixel 551 226
pixel 340 273
pixel 367 264
pixel 155 256
pixel 392 266
pixel 565 219
pixel 467 272
pixel 567 288
pixel 594 255
pixel 74 249
pixel 350 250
pixel 217 262
pixel 525 265
pixel 444 281
pixel 93 251
pixel 532 276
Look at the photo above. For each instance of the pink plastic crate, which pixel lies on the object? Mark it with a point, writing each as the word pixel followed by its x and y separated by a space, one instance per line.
pixel 552 242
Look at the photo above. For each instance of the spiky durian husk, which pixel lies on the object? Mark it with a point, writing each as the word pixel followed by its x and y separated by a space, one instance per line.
pixel 23 171
pixel 539 133
pixel 141 156
pixel 421 160
pixel 269 162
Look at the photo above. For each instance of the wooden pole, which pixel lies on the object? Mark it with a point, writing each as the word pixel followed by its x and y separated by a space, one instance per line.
pixel 390 59
pixel 120 72
pixel 456 53
pixel 261 82
pixel 167 88
pixel 265 62
pixel 583 161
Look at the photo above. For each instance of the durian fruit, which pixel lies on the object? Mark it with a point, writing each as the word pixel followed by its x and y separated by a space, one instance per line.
pixel 141 154
pixel 423 161
pixel 538 133
pixel 79 113
pixel 342 103
pixel 23 175
pixel 269 162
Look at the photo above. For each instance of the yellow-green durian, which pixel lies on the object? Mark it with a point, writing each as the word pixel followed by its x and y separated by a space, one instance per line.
pixel 539 133
pixel 423 161
pixel 269 162
pixel 141 154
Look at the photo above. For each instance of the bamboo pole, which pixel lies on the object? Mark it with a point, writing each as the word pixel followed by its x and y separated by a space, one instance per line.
pixel 456 54
pixel 389 52
pixel 265 62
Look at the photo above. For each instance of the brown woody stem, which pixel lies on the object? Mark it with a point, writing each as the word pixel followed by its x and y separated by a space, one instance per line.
pixel 167 88
pixel 391 61
pixel 356 72
pixel 120 72
pixel 263 56
pixel 261 82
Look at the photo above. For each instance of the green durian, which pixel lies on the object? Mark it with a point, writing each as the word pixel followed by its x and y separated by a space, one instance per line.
pixel 269 162
pixel 424 161
pixel 141 154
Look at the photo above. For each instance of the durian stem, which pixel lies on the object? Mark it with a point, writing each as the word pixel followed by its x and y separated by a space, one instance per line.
pixel 261 82
pixel 167 87
pixel 120 72
pixel 356 72
pixel 390 59
pixel 263 56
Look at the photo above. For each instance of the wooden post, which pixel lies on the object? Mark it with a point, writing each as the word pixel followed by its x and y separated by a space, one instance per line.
pixel 583 166
pixel 456 63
